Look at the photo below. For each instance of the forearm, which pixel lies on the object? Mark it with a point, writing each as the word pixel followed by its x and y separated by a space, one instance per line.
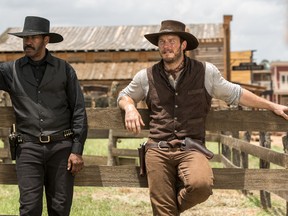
pixel 251 100
pixel 126 103
pixel 133 120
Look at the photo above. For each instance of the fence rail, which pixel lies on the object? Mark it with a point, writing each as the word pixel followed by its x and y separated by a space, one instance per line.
pixel 234 155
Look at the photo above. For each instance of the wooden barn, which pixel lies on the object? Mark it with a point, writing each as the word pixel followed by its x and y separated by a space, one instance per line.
pixel 103 54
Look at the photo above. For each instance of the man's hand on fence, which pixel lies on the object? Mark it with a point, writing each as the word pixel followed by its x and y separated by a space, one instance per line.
pixel 280 110
pixel 133 119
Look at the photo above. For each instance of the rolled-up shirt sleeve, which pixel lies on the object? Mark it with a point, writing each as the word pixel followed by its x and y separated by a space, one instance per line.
pixel 220 88
pixel 137 88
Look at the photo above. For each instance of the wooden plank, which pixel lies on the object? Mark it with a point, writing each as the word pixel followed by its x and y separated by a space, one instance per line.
pixel 94 160
pixel 111 176
pixel 241 120
pixel 281 194
pixel 250 179
pixel 224 120
pixel 8 174
pixel 7 117
pixel 4 153
pixel 4 132
pixel 114 118
pixel 125 152
pixel 126 134
pixel 216 158
pixel 128 176
pixel 269 155
pixel 98 134
pixel 227 163
pixel 211 137
pixel 124 161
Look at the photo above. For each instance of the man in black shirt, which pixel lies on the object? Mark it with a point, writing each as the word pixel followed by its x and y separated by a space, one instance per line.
pixel 51 121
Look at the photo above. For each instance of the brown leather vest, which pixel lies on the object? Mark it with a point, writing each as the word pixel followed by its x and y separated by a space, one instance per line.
pixel 181 112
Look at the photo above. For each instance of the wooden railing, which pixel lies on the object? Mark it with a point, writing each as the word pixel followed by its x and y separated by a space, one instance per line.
pixel 234 151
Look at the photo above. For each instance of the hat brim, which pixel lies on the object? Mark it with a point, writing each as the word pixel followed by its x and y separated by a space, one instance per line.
pixel 54 37
pixel 192 41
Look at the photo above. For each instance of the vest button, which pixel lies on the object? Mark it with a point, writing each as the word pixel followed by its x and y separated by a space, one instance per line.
pixel 176 106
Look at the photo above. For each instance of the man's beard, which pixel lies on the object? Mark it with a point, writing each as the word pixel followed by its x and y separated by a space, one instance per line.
pixel 170 60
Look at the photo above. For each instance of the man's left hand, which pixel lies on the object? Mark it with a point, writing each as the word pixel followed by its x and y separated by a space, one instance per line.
pixel 75 163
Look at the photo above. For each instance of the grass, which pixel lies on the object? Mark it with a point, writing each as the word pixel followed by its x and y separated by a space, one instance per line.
pixel 103 201
pixel 89 200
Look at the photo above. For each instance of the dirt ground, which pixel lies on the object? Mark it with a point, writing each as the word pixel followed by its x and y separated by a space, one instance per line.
pixel 235 203
pixel 222 202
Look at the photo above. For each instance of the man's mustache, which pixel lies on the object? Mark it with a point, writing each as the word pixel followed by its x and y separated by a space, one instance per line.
pixel 167 51
pixel 28 46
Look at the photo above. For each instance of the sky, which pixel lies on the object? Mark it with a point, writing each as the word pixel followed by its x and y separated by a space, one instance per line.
pixel 260 25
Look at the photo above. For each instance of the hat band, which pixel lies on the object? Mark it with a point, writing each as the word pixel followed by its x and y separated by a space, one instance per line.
pixel 166 30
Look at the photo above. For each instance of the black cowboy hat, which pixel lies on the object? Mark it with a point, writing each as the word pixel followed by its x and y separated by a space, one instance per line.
pixel 177 28
pixel 38 26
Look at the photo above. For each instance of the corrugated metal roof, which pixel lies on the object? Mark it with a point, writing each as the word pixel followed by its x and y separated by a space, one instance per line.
pixel 109 38
pixel 109 71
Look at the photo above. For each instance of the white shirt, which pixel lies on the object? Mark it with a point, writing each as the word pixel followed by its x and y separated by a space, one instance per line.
pixel 215 84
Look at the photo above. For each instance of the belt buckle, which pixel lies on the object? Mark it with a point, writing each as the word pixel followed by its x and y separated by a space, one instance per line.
pixel 159 147
pixel 44 139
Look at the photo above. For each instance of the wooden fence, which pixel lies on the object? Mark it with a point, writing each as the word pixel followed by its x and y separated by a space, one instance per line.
pixel 235 175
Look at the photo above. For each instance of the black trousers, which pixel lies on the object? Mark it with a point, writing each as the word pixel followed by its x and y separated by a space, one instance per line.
pixel 44 166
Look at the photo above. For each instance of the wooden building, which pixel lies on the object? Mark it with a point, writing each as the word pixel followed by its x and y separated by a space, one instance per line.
pixel 103 54
pixel 279 73
pixel 240 76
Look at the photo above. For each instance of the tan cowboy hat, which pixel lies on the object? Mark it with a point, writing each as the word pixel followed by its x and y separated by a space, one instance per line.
pixel 38 26
pixel 177 28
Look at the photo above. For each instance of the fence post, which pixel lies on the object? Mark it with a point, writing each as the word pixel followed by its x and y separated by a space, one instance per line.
pixel 7 146
pixel 235 152
pixel 225 149
pixel 244 156
pixel 265 141
pixel 112 143
pixel 285 148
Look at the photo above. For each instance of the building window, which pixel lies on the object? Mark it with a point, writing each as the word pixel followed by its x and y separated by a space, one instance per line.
pixel 284 80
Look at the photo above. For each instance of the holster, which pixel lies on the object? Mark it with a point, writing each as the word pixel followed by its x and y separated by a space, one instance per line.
pixel 141 152
pixel 191 144
pixel 14 141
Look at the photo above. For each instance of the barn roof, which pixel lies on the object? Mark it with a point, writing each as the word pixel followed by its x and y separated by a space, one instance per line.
pixel 109 71
pixel 109 38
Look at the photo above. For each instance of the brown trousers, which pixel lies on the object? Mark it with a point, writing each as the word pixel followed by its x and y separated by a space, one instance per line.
pixel 178 180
